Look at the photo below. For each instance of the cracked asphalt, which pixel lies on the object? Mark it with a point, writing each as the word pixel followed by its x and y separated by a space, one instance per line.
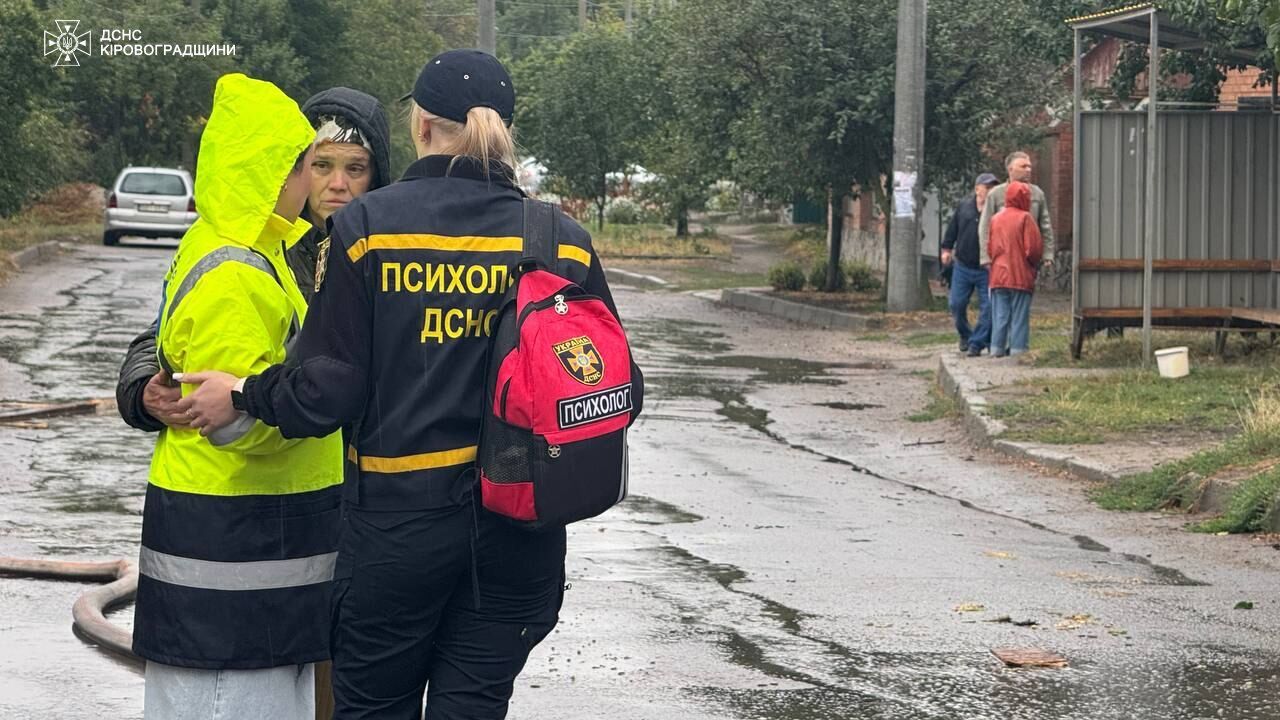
pixel 794 548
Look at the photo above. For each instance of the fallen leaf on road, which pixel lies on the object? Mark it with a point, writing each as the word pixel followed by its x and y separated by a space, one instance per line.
pixel 1075 622
pixel 970 607
pixel 1029 657
pixel 999 554
pixel 1244 605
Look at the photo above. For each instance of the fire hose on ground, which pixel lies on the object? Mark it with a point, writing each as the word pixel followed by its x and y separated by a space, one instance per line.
pixel 88 615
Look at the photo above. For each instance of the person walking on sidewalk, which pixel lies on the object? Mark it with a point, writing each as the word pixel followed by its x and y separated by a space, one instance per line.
pixel 960 250
pixel 1018 165
pixel 1016 250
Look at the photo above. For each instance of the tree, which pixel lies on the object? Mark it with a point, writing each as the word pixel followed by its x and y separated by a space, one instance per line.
pixel 671 144
pixel 1264 14
pixel 1223 25
pixel 799 95
pixel 384 48
pixel 524 26
pixel 579 110
pixel 43 147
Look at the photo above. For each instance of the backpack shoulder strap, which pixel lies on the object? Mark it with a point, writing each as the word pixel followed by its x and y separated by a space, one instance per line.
pixel 541 236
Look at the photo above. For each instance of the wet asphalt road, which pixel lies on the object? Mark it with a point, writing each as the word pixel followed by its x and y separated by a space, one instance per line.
pixel 793 549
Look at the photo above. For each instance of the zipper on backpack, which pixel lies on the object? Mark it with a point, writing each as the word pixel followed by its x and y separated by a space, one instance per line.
pixel 552 302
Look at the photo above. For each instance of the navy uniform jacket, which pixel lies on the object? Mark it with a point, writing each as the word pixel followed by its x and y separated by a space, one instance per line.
pixel 962 233
pixel 395 340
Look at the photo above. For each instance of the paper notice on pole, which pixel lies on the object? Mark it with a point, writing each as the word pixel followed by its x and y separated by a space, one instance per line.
pixel 904 199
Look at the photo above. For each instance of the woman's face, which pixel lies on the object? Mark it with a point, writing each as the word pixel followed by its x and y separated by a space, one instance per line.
pixel 340 173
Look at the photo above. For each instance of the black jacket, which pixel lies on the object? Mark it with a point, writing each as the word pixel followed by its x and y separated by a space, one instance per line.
pixel 395 342
pixel 962 233
pixel 367 113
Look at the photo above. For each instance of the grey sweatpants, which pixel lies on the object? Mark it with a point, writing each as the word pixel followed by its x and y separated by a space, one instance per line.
pixel 178 693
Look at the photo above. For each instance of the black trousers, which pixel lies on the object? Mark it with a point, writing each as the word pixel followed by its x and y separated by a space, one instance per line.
pixel 449 602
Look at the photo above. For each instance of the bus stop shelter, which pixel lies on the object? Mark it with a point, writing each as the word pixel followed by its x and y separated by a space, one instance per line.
pixel 1175 212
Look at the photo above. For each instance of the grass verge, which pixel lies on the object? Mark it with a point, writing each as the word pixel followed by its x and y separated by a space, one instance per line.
pixel 941 405
pixel 1176 484
pixel 18 233
pixel 656 241
pixel 1073 411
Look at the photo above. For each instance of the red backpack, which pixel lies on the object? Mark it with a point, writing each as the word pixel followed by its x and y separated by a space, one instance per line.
pixel 560 392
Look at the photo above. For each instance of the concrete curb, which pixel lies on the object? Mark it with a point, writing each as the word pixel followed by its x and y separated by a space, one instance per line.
pixel 35 254
pixel 635 277
pixel 754 301
pixel 986 430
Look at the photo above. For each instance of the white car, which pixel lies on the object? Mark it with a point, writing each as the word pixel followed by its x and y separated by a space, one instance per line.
pixel 149 202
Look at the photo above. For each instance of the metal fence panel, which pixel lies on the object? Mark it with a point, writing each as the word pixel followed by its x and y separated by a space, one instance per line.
pixel 1220 181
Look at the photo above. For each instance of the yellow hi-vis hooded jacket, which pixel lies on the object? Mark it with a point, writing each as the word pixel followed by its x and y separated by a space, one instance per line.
pixel 235 317
pixel 239 533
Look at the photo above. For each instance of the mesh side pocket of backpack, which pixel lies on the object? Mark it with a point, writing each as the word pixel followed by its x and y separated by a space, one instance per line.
pixel 506 452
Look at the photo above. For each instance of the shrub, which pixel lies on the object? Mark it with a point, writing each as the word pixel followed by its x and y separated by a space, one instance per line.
pixel 861 277
pixel 786 276
pixel 818 277
pixel 725 197
pixel 623 211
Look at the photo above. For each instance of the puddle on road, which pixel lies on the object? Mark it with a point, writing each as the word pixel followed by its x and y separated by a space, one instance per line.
pixel 658 512
pixel 839 681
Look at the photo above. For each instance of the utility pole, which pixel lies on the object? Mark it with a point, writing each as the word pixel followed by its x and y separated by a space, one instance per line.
pixel 627 13
pixel 582 14
pixel 904 281
pixel 487 26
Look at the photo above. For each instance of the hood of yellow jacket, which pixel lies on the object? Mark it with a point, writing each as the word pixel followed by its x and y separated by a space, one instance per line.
pixel 254 134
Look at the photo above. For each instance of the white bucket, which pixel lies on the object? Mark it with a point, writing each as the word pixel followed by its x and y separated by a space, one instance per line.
pixel 1173 362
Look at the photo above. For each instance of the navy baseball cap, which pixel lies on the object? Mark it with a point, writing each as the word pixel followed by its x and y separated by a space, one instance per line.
pixel 453 82
pixel 986 179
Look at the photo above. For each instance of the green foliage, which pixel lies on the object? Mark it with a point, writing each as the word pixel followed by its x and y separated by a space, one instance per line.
pixel 798 97
pixel 818 277
pixel 786 276
pixel 527 26
pixel 941 405
pixel 45 144
pixel 1131 401
pixel 1197 76
pixel 383 49
pixel 578 113
pixel 861 277
pixel 1249 505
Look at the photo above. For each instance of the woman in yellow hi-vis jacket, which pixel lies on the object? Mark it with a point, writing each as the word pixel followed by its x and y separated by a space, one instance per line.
pixel 239 529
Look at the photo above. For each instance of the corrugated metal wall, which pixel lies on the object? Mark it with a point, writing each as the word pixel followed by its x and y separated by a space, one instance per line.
pixel 1220 186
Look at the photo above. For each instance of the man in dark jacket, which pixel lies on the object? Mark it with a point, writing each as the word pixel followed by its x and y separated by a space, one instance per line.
pixel 961 250
pixel 353 156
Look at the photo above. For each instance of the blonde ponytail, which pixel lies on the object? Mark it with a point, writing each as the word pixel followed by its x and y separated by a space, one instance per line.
pixel 483 137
